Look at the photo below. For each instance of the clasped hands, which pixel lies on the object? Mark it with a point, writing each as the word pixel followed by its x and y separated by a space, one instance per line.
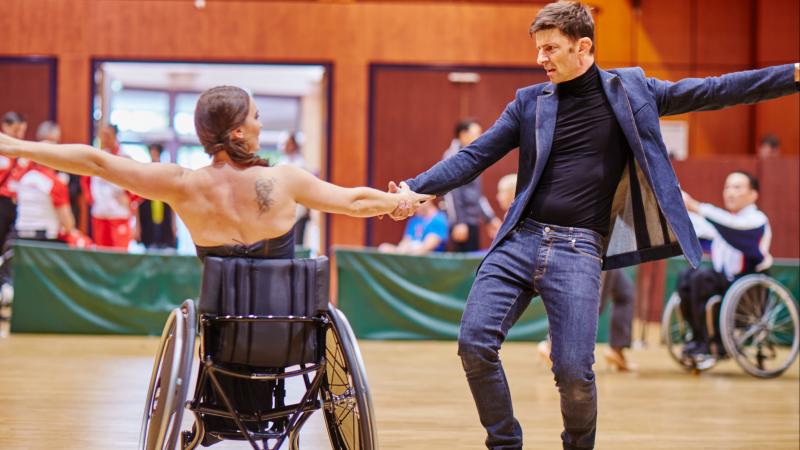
pixel 409 201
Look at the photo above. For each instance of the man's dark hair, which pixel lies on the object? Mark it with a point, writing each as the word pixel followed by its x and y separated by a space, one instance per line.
pixel 754 185
pixel 771 140
pixel 573 19
pixel 12 117
pixel 463 125
pixel 157 147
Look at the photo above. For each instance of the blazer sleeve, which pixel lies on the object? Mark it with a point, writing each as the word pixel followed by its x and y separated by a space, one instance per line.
pixel 703 94
pixel 473 159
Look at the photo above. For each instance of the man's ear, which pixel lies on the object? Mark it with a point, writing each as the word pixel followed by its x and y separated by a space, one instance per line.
pixel 585 45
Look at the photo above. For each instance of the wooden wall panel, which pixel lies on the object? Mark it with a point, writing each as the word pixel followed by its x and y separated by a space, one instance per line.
pixel 777 36
pixel 26 87
pixel 724 33
pixel 780 117
pixel 664 34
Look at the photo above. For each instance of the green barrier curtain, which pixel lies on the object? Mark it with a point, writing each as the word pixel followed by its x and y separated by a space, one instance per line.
pixel 63 290
pixel 422 297
pixel 417 297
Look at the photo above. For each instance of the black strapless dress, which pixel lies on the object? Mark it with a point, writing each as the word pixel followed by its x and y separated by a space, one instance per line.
pixel 281 247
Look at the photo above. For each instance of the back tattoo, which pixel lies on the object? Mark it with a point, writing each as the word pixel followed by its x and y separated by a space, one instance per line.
pixel 264 187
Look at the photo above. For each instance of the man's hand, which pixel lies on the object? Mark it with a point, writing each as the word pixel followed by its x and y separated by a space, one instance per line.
pixel 460 232
pixel 692 205
pixel 494 227
pixel 409 203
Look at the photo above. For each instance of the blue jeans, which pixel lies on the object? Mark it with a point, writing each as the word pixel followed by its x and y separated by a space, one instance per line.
pixel 562 265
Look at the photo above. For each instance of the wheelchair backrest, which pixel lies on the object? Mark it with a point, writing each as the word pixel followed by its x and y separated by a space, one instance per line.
pixel 278 287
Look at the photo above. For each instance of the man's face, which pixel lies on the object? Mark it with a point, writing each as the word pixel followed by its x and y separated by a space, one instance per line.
pixel 155 155
pixel 737 192
pixel 470 134
pixel 108 138
pixel 560 56
pixel 16 130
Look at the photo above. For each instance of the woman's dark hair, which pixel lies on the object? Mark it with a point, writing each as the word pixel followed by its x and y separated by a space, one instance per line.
pixel 219 111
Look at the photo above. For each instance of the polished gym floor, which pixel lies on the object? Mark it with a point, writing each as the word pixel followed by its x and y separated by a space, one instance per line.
pixel 87 392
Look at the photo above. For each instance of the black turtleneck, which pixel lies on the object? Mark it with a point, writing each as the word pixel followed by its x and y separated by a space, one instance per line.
pixel 586 161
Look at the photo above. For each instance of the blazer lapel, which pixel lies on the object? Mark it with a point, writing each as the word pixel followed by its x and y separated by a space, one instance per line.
pixel 546 114
pixel 621 106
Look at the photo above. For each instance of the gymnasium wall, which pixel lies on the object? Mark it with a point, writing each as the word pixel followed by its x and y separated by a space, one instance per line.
pixel 669 39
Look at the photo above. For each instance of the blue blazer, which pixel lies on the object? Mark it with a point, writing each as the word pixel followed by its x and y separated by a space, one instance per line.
pixel 648 219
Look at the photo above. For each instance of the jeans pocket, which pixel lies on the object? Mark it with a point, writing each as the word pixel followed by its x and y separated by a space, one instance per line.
pixel 586 248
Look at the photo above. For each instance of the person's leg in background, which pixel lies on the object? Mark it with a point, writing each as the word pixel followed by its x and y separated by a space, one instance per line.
pixel 620 289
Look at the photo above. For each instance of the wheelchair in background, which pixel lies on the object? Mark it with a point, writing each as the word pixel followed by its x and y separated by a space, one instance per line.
pixel 758 326
pixel 261 322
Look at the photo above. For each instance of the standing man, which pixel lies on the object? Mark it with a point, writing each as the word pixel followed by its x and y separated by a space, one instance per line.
pixel 597 191
pixel 155 220
pixel 111 205
pixel 466 206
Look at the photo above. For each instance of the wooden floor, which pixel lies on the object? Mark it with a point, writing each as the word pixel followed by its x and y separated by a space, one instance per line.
pixel 77 392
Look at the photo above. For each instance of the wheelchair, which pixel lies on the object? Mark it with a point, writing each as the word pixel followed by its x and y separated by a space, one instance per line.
pixel 262 322
pixel 758 326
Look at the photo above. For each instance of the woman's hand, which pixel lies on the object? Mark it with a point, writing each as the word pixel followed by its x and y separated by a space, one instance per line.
pixel 8 145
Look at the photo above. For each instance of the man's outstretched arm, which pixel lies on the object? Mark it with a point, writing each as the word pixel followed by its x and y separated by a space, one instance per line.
pixel 702 94
pixel 473 159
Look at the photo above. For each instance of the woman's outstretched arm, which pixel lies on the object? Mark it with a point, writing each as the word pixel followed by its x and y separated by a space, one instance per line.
pixel 150 180
pixel 314 193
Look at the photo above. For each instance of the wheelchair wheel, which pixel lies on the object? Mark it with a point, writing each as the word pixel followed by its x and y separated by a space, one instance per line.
pixel 169 383
pixel 759 325
pixel 675 331
pixel 347 404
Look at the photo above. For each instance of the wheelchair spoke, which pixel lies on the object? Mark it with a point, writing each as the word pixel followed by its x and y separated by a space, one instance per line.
pixel 747 335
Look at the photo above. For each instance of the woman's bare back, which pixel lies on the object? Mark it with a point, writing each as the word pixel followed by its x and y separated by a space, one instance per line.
pixel 222 204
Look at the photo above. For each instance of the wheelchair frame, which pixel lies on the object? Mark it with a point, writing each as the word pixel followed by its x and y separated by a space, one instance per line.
pixel 675 331
pixel 338 388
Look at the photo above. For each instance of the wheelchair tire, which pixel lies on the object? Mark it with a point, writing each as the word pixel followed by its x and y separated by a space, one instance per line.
pixel 347 404
pixel 675 331
pixel 760 326
pixel 169 382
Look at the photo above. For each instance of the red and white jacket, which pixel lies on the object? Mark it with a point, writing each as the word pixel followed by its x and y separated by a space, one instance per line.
pixel 39 192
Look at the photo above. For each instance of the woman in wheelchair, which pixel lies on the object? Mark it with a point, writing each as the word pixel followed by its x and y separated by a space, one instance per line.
pixel 240 213
pixel 738 238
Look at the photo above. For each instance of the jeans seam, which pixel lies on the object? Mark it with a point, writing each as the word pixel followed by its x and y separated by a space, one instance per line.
pixel 539 276
pixel 581 252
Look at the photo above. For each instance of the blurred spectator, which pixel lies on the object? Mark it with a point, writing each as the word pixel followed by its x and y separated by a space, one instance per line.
pixel 111 205
pixel 425 232
pixel 43 209
pixel 156 224
pixel 506 191
pixel 49 131
pixel 769 146
pixel 292 156
pixel 466 206
pixel 11 170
